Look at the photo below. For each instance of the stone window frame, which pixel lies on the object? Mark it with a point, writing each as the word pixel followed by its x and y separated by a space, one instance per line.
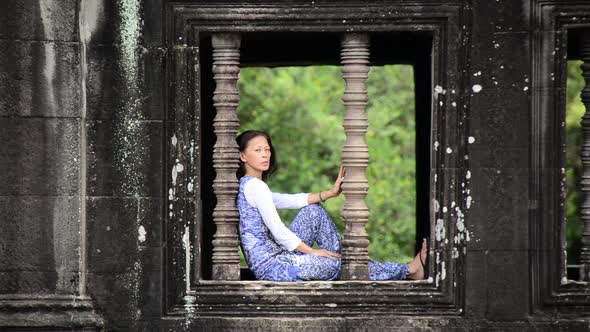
pixel 552 291
pixel 185 292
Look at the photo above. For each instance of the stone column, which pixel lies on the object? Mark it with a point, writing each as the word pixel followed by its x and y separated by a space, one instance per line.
pixel 355 156
pixel 226 69
pixel 585 156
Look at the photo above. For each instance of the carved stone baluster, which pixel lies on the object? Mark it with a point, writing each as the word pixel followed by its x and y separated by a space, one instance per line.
pixel 226 69
pixel 585 181
pixel 355 156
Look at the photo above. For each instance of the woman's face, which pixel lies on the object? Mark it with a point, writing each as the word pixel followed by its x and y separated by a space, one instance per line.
pixel 256 156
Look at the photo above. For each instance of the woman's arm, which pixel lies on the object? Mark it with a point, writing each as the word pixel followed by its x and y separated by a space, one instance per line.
pixel 259 196
pixel 304 248
pixel 333 192
pixel 289 201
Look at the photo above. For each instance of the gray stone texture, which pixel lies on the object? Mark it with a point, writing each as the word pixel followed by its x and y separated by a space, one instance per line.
pixel 104 90
pixel 39 20
pixel 120 163
pixel 39 157
pixel 40 78
pixel 39 242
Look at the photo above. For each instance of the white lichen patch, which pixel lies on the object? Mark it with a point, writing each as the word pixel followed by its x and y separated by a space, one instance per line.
pixel 468 175
pixel 443 271
pixel 438 89
pixel 444 209
pixel 476 88
pixel 439 230
pixel 189 187
pixel 174 140
pixel 436 144
pixel 449 150
pixel 468 201
pixel 455 253
pixel 435 205
pixel 471 140
pixel 141 234
pixel 175 170
pixel 186 244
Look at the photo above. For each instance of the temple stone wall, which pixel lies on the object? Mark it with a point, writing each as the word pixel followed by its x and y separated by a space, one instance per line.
pixel 85 123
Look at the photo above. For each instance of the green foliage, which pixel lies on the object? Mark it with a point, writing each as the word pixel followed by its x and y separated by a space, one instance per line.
pixel 574 111
pixel 301 108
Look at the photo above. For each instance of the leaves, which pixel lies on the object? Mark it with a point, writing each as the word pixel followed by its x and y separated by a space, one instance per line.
pixel 574 111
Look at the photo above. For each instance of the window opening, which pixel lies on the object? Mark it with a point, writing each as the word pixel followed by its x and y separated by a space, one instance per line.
pixel 575 234
pixel 301 108
pixel 323 50
pixel 574 112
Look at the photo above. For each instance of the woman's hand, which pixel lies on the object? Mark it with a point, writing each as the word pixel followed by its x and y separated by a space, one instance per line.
pixel 326 253
pixel 333 192
pixel 337 187
pixel 304 248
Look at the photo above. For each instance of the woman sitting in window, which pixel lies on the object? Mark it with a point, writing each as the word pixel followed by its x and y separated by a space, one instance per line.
pixel 275 252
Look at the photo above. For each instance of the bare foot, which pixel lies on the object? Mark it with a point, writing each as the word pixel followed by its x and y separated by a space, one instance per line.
pixel 415 266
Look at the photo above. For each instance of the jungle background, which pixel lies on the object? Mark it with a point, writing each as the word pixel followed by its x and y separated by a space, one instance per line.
pixel 302 110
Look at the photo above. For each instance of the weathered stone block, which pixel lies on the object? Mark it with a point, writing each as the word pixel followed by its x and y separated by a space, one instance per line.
pixel 108 94
pixel 118 228
pixel 123 158
pixel 498 87
pixel 498 217
pixel 127 296
pixel 40 243
pixel 475 283
pixel 40 79
pixel 500 17
pixel 39 20
pixel 39 156
pixel 153 35
pixel 507 271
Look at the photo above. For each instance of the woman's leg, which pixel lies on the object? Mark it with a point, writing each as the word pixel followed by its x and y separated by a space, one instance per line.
pixel 387 271
pixel 396 271
pixel 313 224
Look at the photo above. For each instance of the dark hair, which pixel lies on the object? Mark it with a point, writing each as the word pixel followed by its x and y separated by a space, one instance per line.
pixel 243 139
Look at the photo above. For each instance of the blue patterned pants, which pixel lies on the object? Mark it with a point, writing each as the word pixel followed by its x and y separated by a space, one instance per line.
pixel 313 225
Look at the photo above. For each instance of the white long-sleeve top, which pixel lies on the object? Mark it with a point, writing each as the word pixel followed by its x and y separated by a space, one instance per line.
pixel 260 197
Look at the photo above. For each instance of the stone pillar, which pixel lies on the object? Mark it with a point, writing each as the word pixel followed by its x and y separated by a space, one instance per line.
pixel 355 156
pixel 585 156
pixel 226 69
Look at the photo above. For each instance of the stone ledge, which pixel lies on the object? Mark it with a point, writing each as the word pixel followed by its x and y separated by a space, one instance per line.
pixel 315 298
pixel 48 312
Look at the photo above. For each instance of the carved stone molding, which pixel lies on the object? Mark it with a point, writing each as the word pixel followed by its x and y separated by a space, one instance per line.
pixel 585 157
pixel 355 156
pixel 51 312
pixel 226 69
